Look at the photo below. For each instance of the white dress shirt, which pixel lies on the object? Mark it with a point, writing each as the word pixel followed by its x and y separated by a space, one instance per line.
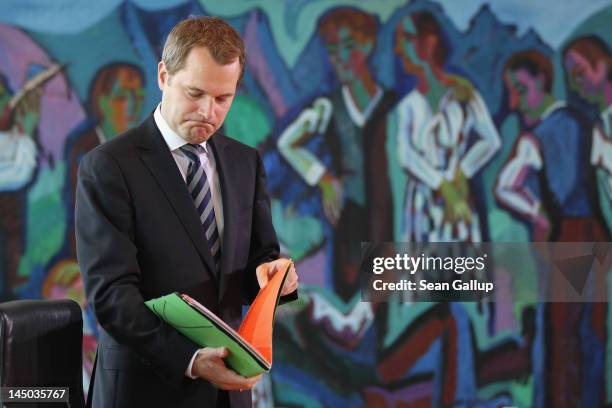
pixel 207 159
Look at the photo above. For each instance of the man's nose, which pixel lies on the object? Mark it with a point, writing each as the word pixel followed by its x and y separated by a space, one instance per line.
pixel 205 106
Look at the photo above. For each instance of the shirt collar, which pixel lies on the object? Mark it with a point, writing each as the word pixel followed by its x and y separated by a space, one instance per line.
pixel 359 117
pixel 173 140
pixel 553 107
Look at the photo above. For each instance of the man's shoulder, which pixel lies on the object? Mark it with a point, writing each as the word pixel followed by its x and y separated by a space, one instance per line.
pixel 564 121
pixel 562 114
pixel 235 145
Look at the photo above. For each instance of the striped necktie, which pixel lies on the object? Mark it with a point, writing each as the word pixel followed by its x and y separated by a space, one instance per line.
pixel 200 189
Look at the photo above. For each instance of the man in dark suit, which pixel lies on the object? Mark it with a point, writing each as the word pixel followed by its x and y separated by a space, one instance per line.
pixel 167 207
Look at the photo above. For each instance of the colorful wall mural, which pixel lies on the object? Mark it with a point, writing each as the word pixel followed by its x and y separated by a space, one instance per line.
pixel 378 121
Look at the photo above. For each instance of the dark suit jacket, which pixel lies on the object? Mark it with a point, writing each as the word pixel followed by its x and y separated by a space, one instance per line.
pixel 139 237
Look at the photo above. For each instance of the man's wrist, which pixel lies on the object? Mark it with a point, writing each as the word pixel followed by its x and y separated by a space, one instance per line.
pixel 189 370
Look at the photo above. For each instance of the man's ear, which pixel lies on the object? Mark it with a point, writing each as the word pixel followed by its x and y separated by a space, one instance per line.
pixel 162 75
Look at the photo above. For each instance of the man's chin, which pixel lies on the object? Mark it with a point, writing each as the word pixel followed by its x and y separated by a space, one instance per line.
pixel 199 135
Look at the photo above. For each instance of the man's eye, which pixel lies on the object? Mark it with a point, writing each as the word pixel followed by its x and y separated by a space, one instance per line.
pixel 194 94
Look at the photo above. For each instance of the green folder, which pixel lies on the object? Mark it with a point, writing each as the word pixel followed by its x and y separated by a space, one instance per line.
pixel 247 357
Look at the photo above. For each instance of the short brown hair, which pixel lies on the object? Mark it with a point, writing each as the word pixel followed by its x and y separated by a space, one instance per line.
pixel 426 24
pixel 535 63
pixel 361 24
pixel 221 39
pixel 594 50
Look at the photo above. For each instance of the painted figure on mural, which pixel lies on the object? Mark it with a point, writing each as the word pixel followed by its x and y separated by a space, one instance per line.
pixel 116 96
pixel 528 78
pixel 19 116
pixel 352 176
pixel 588 61
pixel 355 186
pixel 577 335
pixel 445 136
pixel 549 181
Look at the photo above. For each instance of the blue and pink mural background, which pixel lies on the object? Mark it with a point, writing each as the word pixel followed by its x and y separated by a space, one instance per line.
pixel 378 120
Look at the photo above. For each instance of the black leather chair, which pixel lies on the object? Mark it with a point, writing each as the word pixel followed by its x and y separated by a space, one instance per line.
pixel 41 346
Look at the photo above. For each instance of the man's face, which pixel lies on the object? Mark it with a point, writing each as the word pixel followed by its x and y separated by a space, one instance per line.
pixel 347 55
pixel 588 81
pixel 123 106
pixel 196 98
pixel 525 91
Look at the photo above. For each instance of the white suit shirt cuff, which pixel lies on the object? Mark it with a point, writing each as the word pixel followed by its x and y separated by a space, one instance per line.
pixel 190 366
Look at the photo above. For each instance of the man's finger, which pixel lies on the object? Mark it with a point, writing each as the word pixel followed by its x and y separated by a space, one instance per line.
pixel 262 275
pixel 291 284
pixel 221 352
pixel 292 277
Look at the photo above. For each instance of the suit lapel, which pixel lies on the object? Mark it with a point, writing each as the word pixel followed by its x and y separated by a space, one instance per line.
pixel 226 167
pixel 158 159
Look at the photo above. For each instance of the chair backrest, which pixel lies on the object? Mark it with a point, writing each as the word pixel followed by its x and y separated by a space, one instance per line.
pixel 41 346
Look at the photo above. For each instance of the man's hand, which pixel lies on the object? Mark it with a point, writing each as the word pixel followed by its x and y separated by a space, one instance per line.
pixel 267 270
pixel 209 365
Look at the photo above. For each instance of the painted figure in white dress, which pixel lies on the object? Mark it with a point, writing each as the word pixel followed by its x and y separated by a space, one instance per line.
pixel 445 136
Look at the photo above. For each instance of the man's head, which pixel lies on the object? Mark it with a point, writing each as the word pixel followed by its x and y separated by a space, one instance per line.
pixel 116 97
pixel 349 36
pixel 588 66
pixel 419 38
pixel 202 65
pixel 528 76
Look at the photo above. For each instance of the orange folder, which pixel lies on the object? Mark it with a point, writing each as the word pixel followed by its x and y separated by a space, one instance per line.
pixel 256 328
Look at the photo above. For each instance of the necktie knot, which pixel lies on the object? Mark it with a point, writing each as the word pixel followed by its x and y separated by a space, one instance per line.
pixel 191 151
